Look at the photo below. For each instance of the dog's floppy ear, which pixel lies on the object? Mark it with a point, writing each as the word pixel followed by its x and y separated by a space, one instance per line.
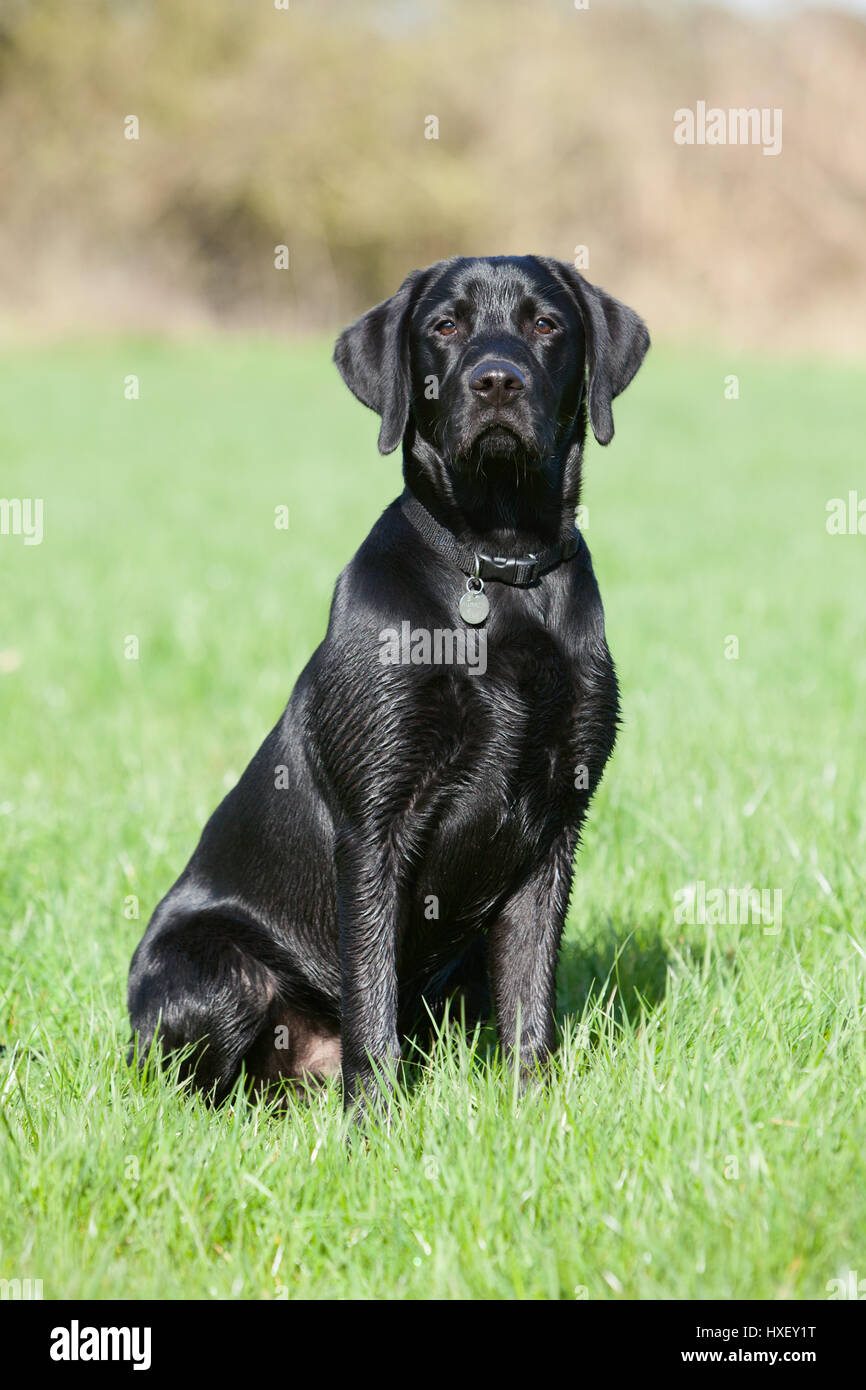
pixel 373 359
pixel 616 344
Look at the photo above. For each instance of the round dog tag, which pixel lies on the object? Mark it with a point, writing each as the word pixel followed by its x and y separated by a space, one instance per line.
pixel 474 605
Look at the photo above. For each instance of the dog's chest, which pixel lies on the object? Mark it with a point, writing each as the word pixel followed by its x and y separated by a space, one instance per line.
pixel 510 774
pixel 505 790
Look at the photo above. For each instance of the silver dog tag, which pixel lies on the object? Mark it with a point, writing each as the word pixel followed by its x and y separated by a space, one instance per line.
pixel 474 605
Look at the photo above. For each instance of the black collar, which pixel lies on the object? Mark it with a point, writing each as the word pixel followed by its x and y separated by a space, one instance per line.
pixel 520 570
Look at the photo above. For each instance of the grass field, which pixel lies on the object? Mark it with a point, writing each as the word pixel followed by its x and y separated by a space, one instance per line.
pixel 704 1133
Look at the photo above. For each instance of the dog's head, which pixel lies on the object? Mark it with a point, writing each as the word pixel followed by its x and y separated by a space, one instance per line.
pixel 489 358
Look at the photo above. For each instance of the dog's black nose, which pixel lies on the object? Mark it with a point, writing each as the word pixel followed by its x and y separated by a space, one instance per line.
pixel 497 383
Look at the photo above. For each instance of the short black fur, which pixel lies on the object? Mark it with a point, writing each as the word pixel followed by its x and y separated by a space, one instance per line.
pixel 408 832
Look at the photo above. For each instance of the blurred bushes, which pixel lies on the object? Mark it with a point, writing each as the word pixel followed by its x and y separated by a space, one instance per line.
pixel 260 127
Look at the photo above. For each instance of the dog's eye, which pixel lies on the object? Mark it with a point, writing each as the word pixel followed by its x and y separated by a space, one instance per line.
pixel 544 326
pixel 446 327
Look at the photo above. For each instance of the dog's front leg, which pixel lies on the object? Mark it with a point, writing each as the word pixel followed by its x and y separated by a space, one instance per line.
pixel 368 914
pixel 524 948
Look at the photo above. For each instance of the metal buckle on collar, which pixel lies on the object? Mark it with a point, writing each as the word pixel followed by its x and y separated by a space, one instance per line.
pixel 509 570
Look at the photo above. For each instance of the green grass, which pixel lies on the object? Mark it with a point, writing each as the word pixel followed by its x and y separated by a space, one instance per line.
pixel 703 1134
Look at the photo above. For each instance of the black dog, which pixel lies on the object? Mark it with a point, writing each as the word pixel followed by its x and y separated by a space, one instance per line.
pixel 407 831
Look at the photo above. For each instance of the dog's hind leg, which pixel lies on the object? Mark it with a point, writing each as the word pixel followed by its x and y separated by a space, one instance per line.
pixel 296 1046
pixel 461 990
pixel 468 987
pixel 214 987
pixel 195 989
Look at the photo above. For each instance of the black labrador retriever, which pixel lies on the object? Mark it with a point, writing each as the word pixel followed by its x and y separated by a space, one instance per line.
pixel 407 832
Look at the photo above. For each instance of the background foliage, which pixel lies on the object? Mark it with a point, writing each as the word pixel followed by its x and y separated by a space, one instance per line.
pixel 305 128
